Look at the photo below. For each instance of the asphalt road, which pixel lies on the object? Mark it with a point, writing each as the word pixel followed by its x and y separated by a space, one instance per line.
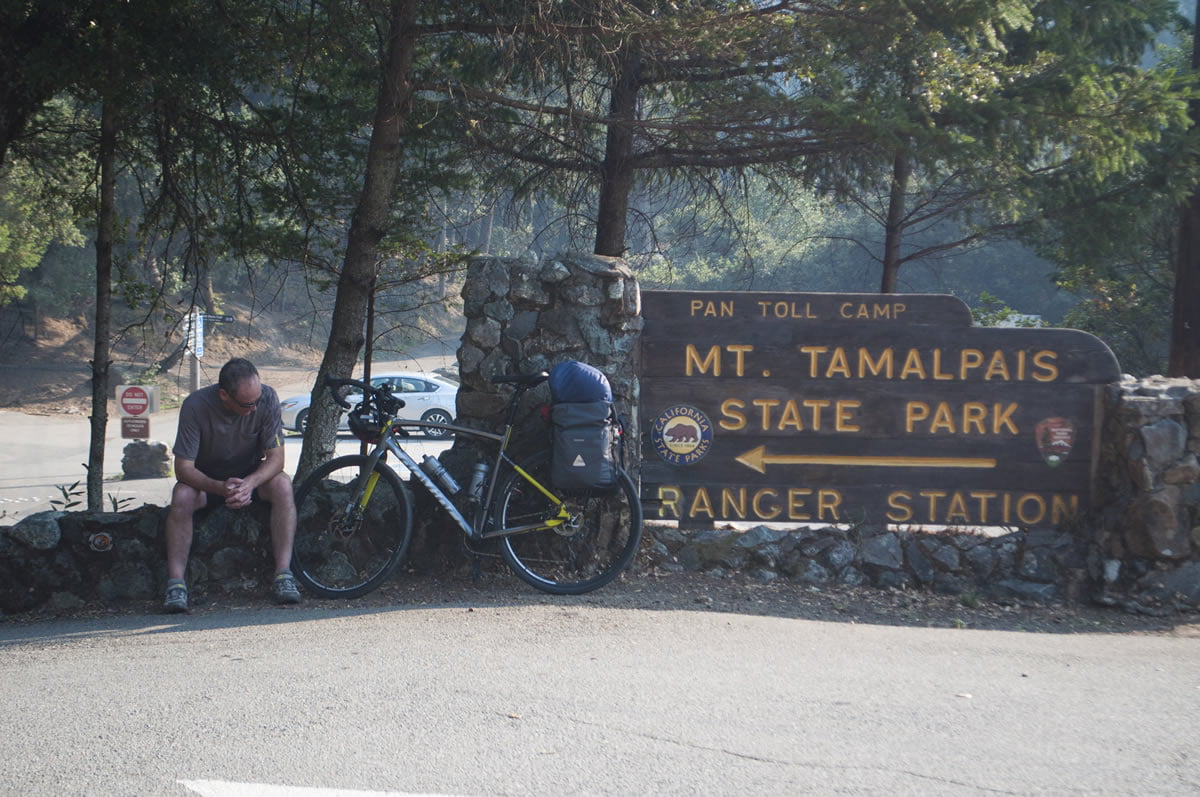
pixel 565 697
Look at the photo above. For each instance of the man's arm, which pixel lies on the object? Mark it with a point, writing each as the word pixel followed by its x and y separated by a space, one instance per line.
pixel 269 468
pixel 187 473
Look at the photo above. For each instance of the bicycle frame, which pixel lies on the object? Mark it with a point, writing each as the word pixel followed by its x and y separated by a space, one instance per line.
pixel 473 528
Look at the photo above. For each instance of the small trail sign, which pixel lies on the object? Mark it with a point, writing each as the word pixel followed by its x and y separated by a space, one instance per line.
pixel 845 408
pixel 135 428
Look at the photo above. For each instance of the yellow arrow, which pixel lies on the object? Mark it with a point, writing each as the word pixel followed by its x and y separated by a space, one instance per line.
pixel 758 459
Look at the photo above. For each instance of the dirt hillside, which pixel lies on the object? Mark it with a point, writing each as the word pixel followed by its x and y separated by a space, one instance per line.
pixel 49 372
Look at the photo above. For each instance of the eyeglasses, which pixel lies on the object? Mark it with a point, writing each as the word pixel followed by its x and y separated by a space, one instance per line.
pixel 246 405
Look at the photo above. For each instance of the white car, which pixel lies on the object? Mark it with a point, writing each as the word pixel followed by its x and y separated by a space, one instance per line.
pixel 426 397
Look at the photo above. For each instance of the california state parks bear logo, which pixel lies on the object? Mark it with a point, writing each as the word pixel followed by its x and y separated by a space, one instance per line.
pixel 682 435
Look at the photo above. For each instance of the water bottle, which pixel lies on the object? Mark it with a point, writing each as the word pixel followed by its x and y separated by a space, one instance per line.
pixel 478 480
pixel 435 471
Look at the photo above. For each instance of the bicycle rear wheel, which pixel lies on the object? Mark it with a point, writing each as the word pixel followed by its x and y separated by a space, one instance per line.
pixel 341 551
pixel 579 556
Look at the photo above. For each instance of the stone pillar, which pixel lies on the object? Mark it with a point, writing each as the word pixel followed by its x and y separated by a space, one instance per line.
pixel 525 316
pixel 146 460
pixel 1148 535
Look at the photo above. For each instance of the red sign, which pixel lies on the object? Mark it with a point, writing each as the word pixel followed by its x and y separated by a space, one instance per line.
pixel 134 400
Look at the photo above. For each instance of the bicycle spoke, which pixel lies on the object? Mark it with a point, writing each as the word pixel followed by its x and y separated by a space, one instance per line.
pixel 341 551
pixel 580 555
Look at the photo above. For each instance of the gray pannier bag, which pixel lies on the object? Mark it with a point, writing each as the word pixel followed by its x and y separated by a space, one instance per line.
pixel 584 453
pixel 585 445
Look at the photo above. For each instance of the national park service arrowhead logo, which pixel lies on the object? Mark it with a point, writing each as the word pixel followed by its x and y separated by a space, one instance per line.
pixel 1055 436
pixel 682 435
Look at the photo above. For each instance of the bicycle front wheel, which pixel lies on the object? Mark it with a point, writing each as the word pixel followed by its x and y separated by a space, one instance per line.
pixel 581 555
pixel 344 547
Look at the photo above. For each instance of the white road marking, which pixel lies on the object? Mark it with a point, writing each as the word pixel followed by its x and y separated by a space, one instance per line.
pixel 221 788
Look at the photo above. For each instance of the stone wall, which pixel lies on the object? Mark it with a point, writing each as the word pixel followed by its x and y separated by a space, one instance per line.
pixel 65 560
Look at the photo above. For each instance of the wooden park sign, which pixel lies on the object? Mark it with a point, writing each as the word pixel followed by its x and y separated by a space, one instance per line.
pixel 849 408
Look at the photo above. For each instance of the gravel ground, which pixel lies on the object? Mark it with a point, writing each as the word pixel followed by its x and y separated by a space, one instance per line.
pixel 703 593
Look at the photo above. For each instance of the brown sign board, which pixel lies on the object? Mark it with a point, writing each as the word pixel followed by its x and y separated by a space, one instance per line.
pixel 135 428
pixel 848 408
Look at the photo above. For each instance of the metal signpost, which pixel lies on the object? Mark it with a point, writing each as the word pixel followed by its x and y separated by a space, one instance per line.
pixel 195 339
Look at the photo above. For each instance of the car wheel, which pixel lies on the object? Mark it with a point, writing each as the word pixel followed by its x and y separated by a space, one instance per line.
pixel 437 416
pixel 302 421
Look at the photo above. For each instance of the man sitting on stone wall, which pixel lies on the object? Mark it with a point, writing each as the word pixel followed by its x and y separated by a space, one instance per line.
pixel 229 449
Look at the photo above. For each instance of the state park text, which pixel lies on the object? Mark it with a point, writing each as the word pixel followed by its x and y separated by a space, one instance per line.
pixel 844 407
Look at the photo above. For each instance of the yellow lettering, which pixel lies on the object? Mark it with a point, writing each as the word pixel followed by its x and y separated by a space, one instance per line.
pixel 723 309
pixel 1002 418
pixel 796 496
pixel 732 504
pixel 1039 509
pixel 971 418
pixel 968 360
pixel 957 511
pixel 668 497
pixel 791 417
pixel 1063 508
pixel 816 405
pixel 883 365
pixel 845 416
pixel 933 496
pixel 983 498
pixel 766 405
pixel 997 367
pixel 974 414
pixel 938 373
pixel 898 509
pixel 1047 369
pixel 712 361
pixel 943 420
pixel 828 501
pixel 693 363
pixel 838 364
pixel 812 352
pixel 740 352
pixel 914 411
pixel 913 365
pixel 769 512
pixel 701 503
pixel 734 419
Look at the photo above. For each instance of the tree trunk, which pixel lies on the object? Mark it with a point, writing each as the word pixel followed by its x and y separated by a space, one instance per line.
pixel 207 294
pixel 100 358
pixel 1185 316
pixel 367 227
pixel 616 184
pixel 894 232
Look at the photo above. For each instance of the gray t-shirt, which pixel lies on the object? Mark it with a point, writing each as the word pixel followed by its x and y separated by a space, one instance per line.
pixel 225 446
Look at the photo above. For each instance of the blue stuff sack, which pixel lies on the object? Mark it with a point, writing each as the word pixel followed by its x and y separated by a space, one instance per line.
pixel 574 381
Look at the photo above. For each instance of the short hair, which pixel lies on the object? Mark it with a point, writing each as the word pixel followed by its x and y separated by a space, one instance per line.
pixel 234 372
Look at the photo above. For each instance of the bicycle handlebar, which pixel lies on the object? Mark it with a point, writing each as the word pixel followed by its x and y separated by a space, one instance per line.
pixel 389 403
pixel 385 400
